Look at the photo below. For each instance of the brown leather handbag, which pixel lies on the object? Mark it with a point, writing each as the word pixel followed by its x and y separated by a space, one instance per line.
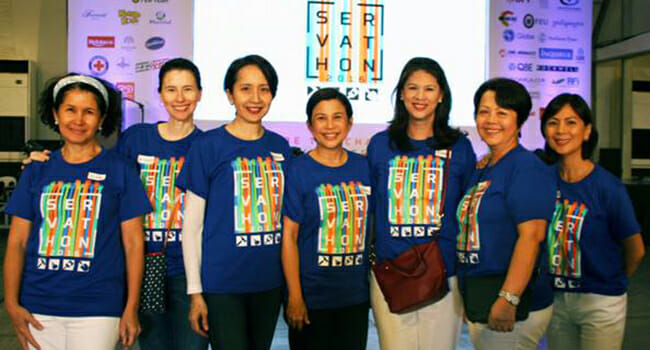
pixel 418 275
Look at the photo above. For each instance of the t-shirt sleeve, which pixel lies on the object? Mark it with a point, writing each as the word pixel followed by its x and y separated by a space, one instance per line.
pixel 469 164
pixel 20 203
pixel 622 222
pixel 134 200
pixel 293 206
pixel 530 193
pixel 194 175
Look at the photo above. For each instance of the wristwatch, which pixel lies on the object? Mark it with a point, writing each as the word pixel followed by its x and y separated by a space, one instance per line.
pixel 512 299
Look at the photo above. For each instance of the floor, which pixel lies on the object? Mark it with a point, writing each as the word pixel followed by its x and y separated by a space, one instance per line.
pixel 637 333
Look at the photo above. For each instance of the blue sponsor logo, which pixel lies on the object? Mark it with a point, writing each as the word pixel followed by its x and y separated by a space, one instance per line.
pixel 555 54
pixel 569 2
pixel 98 65
pixel 154 43
pixel 508 35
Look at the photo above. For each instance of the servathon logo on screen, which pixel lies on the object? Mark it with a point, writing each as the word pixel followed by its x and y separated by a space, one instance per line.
pixel 345 42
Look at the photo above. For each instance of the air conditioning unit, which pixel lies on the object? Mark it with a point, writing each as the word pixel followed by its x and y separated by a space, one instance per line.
pixel 17 111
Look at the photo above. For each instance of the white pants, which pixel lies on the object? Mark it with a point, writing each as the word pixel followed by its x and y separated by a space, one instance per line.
pixel 587 321
pixel 76 333
pixel 434 326
pixel 525 336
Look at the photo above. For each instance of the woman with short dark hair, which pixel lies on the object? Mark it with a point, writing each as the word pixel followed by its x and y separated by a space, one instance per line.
pixel 594 240
pixel 234 177
pixel 324 249
pixel 503 218
pixel 76 229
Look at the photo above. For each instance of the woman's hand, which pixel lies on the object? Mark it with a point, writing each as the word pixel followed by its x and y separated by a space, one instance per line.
pixel 21 319
pixel 37 156
pixel 297 313
pixel 199 315
pixel 502 316
pixel 129 327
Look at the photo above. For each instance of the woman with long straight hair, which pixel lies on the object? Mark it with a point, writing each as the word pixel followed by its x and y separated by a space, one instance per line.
pixel 417 159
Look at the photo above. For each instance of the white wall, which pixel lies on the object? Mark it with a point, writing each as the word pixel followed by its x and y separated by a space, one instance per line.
pixel 35 30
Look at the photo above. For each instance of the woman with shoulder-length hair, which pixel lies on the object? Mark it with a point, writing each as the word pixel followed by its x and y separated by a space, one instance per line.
pixel 594 240
pixel 503 218
pixel 74 259
pixel 232 233
pixel 420 167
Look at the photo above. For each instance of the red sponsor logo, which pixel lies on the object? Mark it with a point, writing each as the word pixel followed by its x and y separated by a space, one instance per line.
pixel 127 88
pixel 101 41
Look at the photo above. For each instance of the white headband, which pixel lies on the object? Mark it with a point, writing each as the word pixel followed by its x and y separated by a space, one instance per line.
pixel 81 79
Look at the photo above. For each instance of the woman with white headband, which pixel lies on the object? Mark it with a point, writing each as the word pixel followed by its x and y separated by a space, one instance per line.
pixel 74 259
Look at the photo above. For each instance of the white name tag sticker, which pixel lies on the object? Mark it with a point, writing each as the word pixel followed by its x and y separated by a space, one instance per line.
pixel 367 190
pixel 443 153
pixel 278 157
pixel 96 177
pixel 147 160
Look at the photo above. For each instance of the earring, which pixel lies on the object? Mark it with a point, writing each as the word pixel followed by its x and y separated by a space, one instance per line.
pixel 440 101
pixel 56 121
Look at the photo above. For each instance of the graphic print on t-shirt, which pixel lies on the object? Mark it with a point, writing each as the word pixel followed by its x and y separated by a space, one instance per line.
pixel 259 185
pixel 68 232
pixel 468 242
pixel 342 232
pixel 415 187
pixel 159 179
pixel 563 242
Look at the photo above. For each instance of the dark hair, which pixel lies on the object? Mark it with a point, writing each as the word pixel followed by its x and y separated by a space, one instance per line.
pixel 326 94
pixel 112 113
pixel 444 135
pixel 581 108
pixel 255 60
pixel 179 64
pixel 508 94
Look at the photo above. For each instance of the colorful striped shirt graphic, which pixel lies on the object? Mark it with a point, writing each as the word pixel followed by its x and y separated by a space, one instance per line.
pixel 343 215
pixel 70 214
pixel 259 185
pixel 564 239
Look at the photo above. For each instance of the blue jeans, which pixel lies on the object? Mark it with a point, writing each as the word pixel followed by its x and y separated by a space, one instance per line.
pixel 171 330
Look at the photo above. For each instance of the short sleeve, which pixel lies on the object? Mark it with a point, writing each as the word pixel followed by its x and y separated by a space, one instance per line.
pixel 293 203
pixel 530 193
pixel 134 200
pixel 21 202
pixel 194 176
pixel 469 162
pixel 622 222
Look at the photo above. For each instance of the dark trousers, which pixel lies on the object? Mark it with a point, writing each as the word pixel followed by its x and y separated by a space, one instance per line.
pixel 171 330
pixel 344 328
pixel 243 321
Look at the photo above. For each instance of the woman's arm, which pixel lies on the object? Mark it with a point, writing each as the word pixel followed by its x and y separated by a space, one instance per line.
pixel 192 238
pixel 13 272
pixel 633 252
pixel 296 308
pixel 531 234
pixel 133 242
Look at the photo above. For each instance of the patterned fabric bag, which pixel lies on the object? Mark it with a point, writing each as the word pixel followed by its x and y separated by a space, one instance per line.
pixel 152 294
pixel 153 291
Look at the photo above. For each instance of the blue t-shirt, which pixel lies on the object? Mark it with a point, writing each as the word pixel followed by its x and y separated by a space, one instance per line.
pixel 408 188
pixel 592 218
pixel 242 183
pixel 74 260
pixel 331 205
pixel 518 188
pixel 160 161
